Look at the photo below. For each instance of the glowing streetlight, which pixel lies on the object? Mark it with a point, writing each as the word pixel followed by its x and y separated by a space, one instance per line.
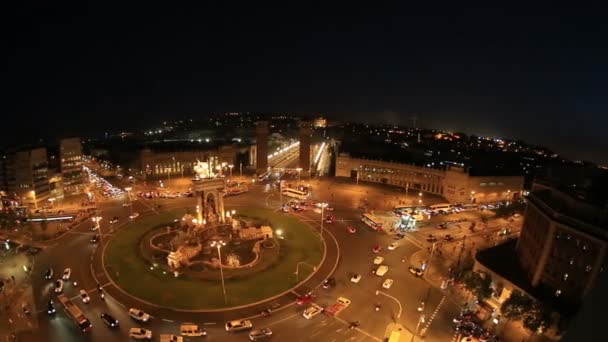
pixel 323 206
pixel 299 169
pixel 219 244
pixel 230 167
pixel 233 212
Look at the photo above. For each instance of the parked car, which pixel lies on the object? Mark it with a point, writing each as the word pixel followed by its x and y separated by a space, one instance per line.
pixel 49 273
pixel 85 296
pixel 355 278
pixel 388 282
pixel 392 246
pixel 58 286
pixel 378 260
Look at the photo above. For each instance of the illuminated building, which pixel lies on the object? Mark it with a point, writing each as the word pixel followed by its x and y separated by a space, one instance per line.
pixel 163 162
pixel 70 154
pixel 454 183
pixel 320 123
pixel 26 176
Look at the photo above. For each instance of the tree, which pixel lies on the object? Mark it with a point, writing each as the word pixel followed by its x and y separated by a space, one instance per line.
pixel 479 283
pixel 522 307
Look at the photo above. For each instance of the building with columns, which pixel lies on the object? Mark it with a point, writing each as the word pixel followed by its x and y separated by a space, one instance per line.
pixel 165 163
pixel 454 183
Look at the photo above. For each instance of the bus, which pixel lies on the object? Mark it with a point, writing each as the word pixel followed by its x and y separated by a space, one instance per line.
pixel 372 221
pixel 415 212
pixel 441 208
pixel 75 314
pixel 299 194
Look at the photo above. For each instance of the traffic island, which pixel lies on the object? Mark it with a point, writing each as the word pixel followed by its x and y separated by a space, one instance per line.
pixel 135 258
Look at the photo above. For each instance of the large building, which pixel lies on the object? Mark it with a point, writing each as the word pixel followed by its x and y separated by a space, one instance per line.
pixel 305 132
pixel 455 183
pixel 563 243
pixel 165 163
pixel 25 176
pixel 72 175
pixel 261 151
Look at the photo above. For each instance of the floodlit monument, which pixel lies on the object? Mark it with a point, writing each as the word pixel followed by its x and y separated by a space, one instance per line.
pixel 208 188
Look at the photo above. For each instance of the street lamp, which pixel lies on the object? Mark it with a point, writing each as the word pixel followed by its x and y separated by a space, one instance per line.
pixel 219 244
pixel 96 219
pixel 322 205
pixel 299 169
pixel 420 320
pixel 129 200
pixel 393 298
pixel 420 198
pixel 230 167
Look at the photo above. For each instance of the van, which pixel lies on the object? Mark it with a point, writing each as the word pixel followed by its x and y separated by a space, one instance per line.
pixel 381 271
pixel 239 325
pixel 171 338
pixel 191 329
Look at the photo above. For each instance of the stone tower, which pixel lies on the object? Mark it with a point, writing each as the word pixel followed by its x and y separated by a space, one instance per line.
pixel 305 133
pixel 261 131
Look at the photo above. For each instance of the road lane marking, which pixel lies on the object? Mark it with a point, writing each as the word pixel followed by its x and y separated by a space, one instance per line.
pixel 282 320
pixel 168 320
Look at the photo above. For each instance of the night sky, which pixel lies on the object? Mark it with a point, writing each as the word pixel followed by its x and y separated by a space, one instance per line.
pixel 533 73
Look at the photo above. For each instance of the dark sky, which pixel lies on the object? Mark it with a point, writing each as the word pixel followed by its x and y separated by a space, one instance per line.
pixel 534 73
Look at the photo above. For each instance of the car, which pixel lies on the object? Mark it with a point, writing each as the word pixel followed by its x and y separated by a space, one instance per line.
pixel 50 307
pixel 192 330
pixel 305 299
pixel 329 283
pixel 262 334
pixel 58 286
pixel 85 296
pixel 376 249
pixel 94 238
pixel 126 204
pixel 171 338
pixel 139 315
pixel 238 325
pixel 67 273
pixel 351 229
pixel 392 246
pixel 134 216
pixel 330 219
pixel 381 271
pixel 388 282
pixel 114 220
pixel 431 238
pixel 355 278
pixel 33 250
pixel 49 274
pixel 344 301
pixel 312 311
pixel 378 260
pixel 442 226
pixel 109 320
pixel 415 271
pixel 140 334
pixel 448 238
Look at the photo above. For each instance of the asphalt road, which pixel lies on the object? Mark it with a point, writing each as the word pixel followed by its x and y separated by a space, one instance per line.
pixel 74 250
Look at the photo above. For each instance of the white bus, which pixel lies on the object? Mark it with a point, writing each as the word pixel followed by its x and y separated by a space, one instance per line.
pixel 75 314
pixel 441 208
pixel 372 221
pixel 295 193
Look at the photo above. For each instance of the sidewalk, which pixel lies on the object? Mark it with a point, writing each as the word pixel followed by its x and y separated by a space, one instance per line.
pixel 17 292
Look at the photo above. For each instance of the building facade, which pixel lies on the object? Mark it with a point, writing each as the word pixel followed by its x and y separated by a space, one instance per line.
pixel 305 132
pixel 72 174
pixel 181 163
pixel 261 134
pixel 455 184
pixel 563 243
pixel 26 176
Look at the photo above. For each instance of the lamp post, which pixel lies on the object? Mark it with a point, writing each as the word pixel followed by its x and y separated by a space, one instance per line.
pixel 129 200
pixel 420 198
pixel 299 169
pixel 323 205
pixel 230 167
pixel 472 196
pixel 393 298
pixel 219 244
pixel 420 320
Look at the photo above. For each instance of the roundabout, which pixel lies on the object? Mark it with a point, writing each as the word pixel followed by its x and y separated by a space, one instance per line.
pixel 130 264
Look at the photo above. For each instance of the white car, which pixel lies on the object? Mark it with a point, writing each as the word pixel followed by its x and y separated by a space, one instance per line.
pixel 67 273
pixel 85 296
pixel 58 286
pixel 356 278
pixel 388 282
pixel 140 334
pixel 381 270
pixel 134 216
pixel 239 325
pixel 139 315
pixel 378 260
pixel 392 246
pixel 312 311
pixel 126 204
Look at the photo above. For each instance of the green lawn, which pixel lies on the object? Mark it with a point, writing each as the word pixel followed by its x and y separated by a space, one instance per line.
pixel 134 275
